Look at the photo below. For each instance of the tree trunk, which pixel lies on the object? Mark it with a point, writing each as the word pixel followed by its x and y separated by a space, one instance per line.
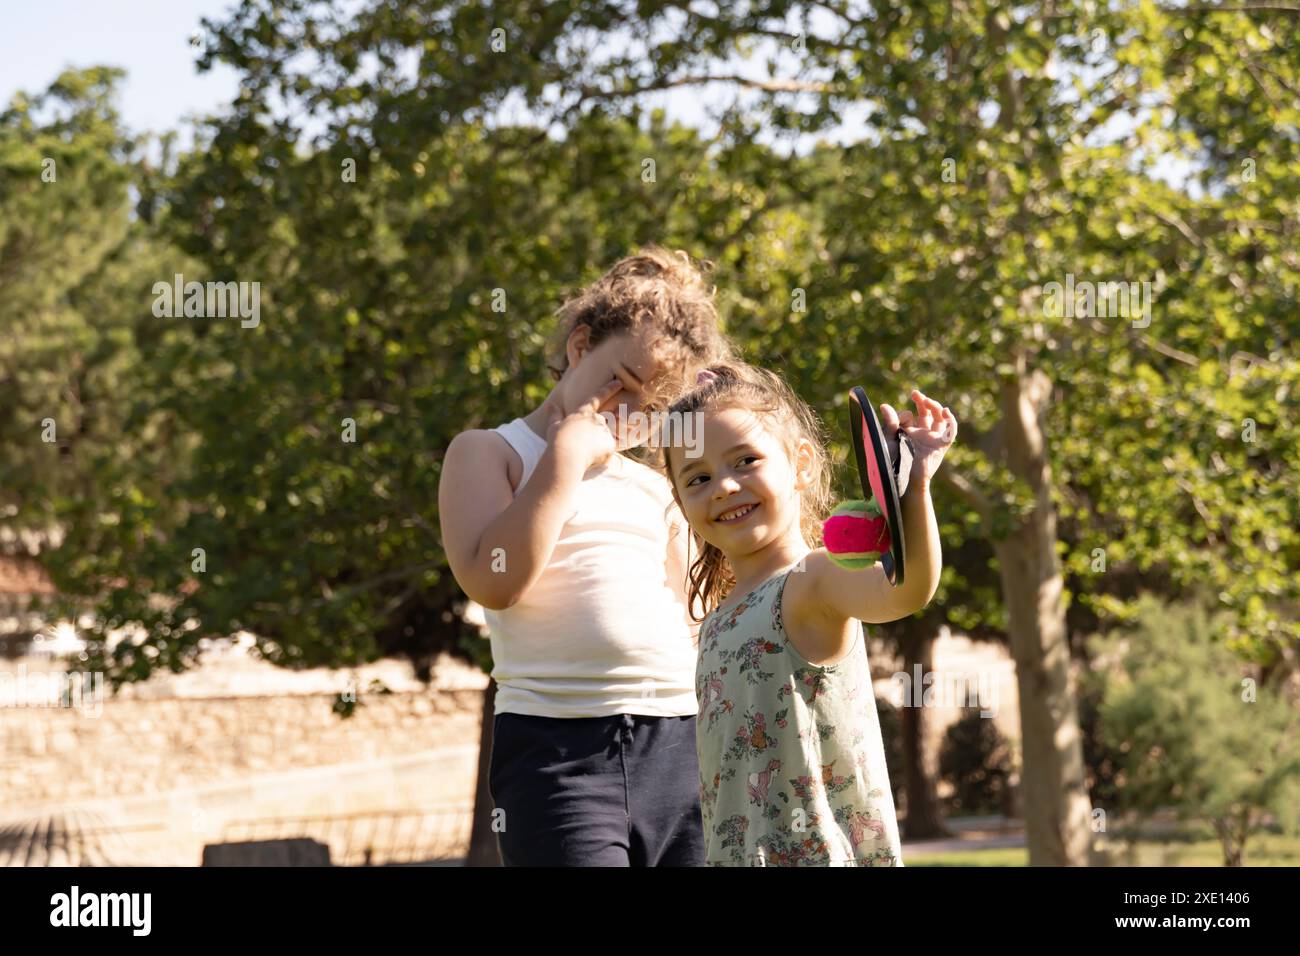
pixel 923 820
pixel 1055 798
pixel 482 841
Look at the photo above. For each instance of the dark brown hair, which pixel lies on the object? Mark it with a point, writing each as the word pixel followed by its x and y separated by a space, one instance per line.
pixel 659 291
pixel 767 395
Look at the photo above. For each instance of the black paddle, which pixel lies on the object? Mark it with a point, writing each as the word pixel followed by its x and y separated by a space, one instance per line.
pixel 883 469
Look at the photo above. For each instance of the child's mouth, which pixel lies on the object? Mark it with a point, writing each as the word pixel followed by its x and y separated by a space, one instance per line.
pixel 736 515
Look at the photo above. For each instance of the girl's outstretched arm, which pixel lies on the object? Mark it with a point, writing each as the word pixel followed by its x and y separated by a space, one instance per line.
pixel 867 594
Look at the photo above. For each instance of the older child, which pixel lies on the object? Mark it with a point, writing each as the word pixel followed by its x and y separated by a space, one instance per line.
pixel 577 553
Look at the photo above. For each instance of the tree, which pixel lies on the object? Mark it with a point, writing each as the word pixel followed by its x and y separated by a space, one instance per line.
pixel 75 264
pixel 1196 729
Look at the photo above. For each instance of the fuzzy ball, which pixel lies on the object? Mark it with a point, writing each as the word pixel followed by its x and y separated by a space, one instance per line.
pixel 856 534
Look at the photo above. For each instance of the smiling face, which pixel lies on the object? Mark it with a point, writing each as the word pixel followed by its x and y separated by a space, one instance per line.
pixel 742 493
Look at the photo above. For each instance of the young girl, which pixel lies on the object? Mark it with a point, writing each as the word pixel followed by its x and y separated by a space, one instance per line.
pixel 570 548
pixel 792 766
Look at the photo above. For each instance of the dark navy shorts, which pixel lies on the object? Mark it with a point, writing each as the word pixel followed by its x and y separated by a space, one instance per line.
pixel 597 791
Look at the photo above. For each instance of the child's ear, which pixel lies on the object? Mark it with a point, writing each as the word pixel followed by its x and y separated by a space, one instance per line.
pixel 578 344
pixel 804 462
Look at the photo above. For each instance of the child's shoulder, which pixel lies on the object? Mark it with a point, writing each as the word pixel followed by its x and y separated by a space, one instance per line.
pixel 487 448
pixel 801 594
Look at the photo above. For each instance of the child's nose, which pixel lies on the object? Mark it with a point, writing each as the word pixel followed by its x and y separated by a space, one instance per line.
pixel 727 485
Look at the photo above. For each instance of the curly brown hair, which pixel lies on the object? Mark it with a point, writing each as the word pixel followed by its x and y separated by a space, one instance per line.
pixel 658 291
pixel 769 396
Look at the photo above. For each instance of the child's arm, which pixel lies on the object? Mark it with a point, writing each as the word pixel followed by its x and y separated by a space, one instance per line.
pixel 867 594
pixel 498 543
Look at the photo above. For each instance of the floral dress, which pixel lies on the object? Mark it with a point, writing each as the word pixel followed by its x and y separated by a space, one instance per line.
pixel 792 765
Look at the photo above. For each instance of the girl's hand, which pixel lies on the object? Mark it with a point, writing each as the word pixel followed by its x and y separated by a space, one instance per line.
pixel 932 431
pixel 583 438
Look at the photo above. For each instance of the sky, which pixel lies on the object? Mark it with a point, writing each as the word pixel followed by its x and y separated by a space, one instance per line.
pixel 147 38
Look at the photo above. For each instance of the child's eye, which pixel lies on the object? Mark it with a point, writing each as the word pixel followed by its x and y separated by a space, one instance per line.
pixel 749 458
pixel 696 478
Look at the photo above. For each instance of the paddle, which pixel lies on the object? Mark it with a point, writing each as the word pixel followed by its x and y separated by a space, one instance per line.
pixel 859 533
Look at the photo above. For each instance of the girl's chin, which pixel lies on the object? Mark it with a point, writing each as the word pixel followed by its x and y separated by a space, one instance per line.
pixel 744 539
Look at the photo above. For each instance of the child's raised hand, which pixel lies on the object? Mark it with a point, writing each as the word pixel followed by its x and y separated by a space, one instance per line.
pixel 932 431
pixel 583 437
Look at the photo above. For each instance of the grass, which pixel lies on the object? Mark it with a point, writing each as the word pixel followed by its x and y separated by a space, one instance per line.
pixel 1191 846
pixel 1011 857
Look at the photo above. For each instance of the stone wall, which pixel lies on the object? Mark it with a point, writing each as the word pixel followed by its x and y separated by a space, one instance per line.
pixel 154 774
pixel 55 755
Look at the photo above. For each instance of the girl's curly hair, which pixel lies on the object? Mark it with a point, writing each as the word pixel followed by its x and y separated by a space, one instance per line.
pixel 738 385
pixel 658 291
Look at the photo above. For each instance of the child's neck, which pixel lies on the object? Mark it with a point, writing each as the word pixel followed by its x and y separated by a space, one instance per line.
pixel 539 419
pixel 753 569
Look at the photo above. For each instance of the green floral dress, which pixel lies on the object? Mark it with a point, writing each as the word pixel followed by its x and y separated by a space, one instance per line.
pixel 792 765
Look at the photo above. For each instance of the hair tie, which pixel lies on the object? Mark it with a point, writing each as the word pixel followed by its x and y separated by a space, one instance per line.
pixel 706 375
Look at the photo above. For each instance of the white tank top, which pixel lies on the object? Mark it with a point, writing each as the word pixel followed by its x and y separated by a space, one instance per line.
pixel 604 630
